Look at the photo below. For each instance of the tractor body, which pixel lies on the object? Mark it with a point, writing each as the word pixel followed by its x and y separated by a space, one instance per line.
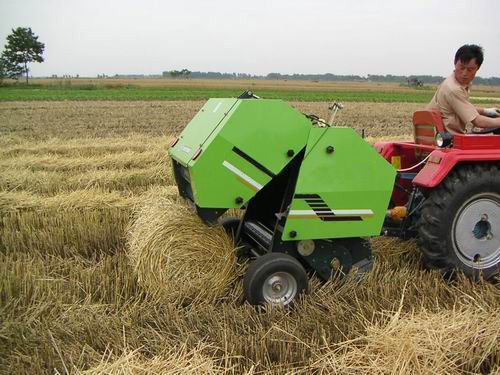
pixel 311 193
pixel 447 195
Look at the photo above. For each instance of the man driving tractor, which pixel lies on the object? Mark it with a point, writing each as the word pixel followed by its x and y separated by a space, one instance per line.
pixel 452 96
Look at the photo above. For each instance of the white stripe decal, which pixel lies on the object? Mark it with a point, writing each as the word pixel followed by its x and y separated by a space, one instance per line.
pixel 352 212
pixel 302 212
pixel 335 212
pixel 217 107
pixel 241 174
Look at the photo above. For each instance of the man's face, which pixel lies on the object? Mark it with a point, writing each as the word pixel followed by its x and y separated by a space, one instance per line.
pixel 465 72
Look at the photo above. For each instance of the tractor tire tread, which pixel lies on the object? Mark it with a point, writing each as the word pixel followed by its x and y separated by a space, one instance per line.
pixel 435 210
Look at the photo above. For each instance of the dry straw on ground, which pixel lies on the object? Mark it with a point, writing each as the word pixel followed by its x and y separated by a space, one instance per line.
pixel 132 164
pixel 177 257
pixel 464 340
pixel 86 223
pixel 71 299
pixel 178 360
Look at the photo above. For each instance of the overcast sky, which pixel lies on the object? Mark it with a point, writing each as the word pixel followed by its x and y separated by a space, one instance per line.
pixel 90 37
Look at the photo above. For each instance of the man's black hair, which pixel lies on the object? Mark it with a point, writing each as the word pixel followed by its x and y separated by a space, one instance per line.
pixel 468 52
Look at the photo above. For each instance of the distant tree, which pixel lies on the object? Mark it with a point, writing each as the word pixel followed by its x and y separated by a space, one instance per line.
pixel 2 71
pixel 178 73
pixel 21 49
pixel 8 69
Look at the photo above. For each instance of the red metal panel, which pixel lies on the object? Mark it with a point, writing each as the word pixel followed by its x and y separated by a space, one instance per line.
pixel 405 150
pixel 406 153
pixel 473 141
pixel 466 148
pixel 433 173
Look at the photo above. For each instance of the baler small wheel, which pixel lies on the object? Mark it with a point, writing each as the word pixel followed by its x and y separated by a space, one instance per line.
pixel 459 225
pixel 275 279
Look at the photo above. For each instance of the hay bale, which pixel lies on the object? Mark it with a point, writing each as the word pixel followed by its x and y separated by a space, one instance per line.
pixel 177 257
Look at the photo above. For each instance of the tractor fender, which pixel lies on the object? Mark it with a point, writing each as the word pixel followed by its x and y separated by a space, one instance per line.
pixel 442 161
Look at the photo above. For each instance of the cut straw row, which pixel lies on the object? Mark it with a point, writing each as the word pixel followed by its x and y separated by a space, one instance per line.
pixel 85 223
pixel 54 182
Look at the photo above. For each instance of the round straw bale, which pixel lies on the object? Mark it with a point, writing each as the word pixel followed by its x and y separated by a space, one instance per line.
pixel 177 257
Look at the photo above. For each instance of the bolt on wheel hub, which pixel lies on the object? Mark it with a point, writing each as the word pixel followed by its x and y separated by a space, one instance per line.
pixel 280 288
pixel 476 232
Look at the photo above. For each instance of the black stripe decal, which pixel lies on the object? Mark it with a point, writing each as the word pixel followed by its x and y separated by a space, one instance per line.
pixel 254 162
pixel 321 210
pixel 342 218
pixel 307 196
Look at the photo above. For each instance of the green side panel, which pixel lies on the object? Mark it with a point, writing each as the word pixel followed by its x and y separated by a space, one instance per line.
pixel 219 178
pixel 344 193
pixel 203 124
pixel 266 130
pixel 243 152
pixel 314 137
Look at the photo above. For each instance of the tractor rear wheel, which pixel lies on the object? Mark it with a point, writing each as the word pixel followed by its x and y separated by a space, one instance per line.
pixel 275 279
pixel 459 225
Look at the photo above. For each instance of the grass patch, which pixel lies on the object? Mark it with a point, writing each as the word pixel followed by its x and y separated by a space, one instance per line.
pixel 128 93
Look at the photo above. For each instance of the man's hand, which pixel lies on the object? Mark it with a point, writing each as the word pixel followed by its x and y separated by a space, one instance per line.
pixel 491 112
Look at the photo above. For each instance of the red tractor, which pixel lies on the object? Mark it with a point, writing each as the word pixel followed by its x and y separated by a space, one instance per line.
pixel 447 194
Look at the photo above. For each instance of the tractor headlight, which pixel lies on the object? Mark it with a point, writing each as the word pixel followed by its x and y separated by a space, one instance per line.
pixel 443 139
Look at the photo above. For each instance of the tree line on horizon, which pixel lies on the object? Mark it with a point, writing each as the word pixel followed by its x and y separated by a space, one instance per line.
pixel 425 79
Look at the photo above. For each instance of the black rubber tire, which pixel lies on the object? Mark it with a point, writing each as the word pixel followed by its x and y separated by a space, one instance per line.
pixel 230 224
pixel 462 186
pixel 268 265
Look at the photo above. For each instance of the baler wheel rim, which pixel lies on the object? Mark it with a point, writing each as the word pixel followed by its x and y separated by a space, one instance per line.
pixel 270 270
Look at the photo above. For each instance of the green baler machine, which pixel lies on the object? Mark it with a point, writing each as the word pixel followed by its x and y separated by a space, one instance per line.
pixel 310 192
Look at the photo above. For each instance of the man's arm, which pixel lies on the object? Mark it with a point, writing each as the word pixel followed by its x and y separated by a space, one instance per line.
pixel 488 118
pixel 486 122
pixel 488 112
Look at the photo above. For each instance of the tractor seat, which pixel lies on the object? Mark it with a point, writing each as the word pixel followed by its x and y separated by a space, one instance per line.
pixel 426 124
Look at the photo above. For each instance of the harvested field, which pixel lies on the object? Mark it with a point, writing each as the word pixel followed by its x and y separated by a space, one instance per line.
pixel 104 270
pixel 44 121
pixel 70 120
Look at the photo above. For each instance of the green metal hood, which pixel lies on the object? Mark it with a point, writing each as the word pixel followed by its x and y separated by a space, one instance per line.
pixel 200 127
pixel 234 147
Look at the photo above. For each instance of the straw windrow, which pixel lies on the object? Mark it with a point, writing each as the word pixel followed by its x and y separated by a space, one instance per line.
pixel 177 257
pixel 87 223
